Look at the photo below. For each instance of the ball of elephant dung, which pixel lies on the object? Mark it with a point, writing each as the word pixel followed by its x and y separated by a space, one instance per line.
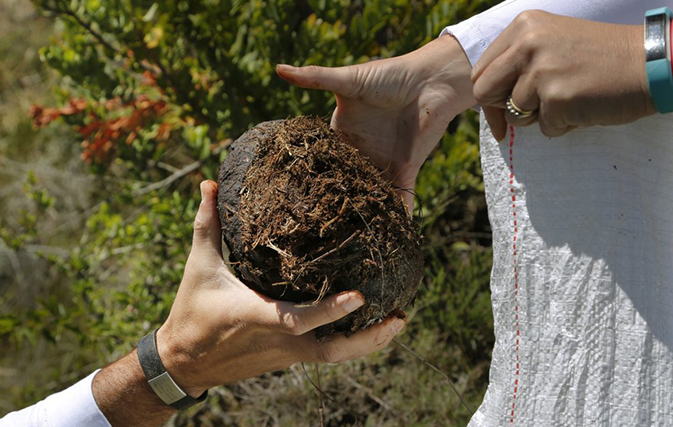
pixel 305 215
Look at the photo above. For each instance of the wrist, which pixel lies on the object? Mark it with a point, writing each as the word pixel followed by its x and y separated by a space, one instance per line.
pixel 125 398
pixel 636 41
pixel 446 65
pixel 179 363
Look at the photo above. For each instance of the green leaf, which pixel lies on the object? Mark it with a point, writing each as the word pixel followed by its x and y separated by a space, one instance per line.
pixel 151 12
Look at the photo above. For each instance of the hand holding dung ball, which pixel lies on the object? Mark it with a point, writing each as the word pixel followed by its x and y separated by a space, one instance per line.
pixel 306 216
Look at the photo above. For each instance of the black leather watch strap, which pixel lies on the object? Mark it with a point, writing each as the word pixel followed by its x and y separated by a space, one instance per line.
pixel 159 379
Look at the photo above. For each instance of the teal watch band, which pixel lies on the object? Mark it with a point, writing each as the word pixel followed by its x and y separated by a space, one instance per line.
pixel 658 58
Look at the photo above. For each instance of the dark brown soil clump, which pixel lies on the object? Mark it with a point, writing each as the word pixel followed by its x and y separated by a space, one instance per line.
pixel 305 215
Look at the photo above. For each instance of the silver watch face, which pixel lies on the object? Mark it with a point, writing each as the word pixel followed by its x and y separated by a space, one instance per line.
pixel 656 37
pixel 166 388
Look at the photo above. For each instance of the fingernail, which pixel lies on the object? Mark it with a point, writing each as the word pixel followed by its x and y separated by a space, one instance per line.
pixel 208 190
pixel 285 67
pixel 352 303
pixel 397 326
pixel 202 187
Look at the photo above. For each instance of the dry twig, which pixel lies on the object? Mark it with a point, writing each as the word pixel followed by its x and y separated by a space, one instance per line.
pixel 436 369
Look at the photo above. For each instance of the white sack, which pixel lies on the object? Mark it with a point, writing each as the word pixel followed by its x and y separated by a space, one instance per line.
pixel 594 254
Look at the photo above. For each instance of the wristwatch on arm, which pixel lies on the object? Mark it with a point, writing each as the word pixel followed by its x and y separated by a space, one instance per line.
pixel 159 379
pixel 658 58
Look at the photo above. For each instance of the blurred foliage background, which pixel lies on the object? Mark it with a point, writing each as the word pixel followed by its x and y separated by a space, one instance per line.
pixel 112 112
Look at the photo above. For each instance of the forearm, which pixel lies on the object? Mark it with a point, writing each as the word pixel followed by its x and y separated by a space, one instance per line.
pixel 478 32
pixel 125 398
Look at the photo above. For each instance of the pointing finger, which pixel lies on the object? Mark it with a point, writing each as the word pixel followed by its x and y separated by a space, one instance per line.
pixel 496 120
pixel 295 319
pixel 313 77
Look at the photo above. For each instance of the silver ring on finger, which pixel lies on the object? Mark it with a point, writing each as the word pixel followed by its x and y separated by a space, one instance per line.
pixel 517 112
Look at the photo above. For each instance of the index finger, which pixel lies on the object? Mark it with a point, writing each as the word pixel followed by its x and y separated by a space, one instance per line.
pixel 297 319
pixel 496 82
pixel 499 46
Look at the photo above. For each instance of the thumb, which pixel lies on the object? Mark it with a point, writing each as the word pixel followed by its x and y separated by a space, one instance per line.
pixel 496 120
pixel 207 230
pixel 338 80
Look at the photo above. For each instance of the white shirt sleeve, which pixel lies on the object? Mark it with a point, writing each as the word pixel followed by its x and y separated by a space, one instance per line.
pixel 73 407
pixel 478 32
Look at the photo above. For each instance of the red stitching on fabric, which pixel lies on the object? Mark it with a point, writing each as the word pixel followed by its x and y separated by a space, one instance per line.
pixel 516 272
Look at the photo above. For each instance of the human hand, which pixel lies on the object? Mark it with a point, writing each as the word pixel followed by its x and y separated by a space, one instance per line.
pixel 395 110
pixel 572 72
pixel 220 331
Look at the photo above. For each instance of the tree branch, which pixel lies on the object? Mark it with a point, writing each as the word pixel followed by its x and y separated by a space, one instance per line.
pixel 178 174
pixel 436 369
pixel 170 179
pixel 370 393
pixel 65 11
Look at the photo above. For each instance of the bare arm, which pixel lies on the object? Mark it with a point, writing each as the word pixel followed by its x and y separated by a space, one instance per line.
pixel 124 397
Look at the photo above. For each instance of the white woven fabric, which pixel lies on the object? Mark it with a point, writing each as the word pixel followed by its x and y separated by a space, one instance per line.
pixel 591 255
